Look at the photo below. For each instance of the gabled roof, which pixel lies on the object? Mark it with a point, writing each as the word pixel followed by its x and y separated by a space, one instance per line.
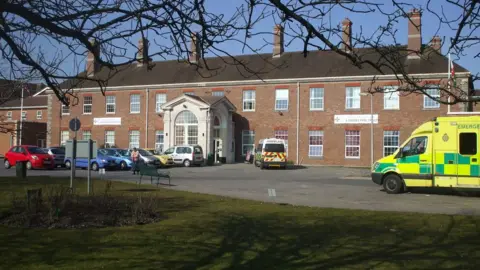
pixel 209 101
pixel 31 101
pixel 291 65
pixel 11 90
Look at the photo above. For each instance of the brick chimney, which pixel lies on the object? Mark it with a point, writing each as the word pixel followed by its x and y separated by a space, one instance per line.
pixel 414 34
pixel 92 64
pixel 142 55
pixel 194 48
pixel 346 35
pixel 277 41
pixel 436 44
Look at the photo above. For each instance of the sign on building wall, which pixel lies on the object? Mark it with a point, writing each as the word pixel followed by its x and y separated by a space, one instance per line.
pixel 355 118
pixel 109 121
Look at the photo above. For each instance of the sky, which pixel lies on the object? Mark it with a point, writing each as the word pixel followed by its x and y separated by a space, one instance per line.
pixel 366 23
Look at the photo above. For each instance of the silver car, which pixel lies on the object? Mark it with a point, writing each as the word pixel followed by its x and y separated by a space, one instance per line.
pixel 187 155
pixel 146 157
pixel 58 154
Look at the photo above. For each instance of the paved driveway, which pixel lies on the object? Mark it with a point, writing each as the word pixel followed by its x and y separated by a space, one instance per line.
pixel 334 187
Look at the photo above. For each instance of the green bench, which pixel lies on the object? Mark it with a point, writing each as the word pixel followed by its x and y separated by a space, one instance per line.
pixel 145 170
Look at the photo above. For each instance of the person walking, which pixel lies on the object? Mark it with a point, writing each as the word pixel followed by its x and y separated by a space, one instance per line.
pixel 134 157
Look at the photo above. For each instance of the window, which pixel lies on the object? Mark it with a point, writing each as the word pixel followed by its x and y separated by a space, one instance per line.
pixel 159 138
pixel 24 116
pixel 186 128
pixel 190 93
pixel 110 103
pixel 391 140
pixel 429 103
pixel 160 99
pixel 65 136
pixel 9 115
pixel 216 127
pixel 87 134
pixel 248 141
pixel 218 93
pixel 249 100
pixel 282 135
pixel 134 139
pixel 39 115
pixel 65 110
pixel 391 98
pixel 316 99
pixel 315 145
pixel 352 144
pixel 109 138
pixel 468 143
pixel 87 104
pixel 416 146
pixel 353 97
pixel 281 99
pixel 135 103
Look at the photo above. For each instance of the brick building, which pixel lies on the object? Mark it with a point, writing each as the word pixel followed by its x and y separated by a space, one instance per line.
pixel 318 103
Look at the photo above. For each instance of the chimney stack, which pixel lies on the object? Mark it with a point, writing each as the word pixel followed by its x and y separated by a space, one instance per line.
pixel 194 49
pixel 142 55
pixel 346 35
pixel 436 44
pixel 414 34
pixel 277 41
pixel 92 64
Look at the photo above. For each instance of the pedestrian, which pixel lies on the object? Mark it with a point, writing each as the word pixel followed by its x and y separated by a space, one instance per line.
pixel 135 159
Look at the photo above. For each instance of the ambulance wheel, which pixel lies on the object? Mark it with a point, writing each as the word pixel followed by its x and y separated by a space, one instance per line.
pixel 393 184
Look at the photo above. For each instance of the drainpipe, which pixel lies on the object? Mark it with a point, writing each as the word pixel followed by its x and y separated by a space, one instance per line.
pixel 146 117
pixel 298 117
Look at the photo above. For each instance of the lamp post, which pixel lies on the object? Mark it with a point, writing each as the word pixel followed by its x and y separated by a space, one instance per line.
pixel 371 125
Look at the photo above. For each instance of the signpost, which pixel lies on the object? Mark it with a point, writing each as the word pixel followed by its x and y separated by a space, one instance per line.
pixel 74 126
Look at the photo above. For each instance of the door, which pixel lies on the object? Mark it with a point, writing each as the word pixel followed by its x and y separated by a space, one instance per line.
pixel 178 154
pixel 415 163
pixel 468 158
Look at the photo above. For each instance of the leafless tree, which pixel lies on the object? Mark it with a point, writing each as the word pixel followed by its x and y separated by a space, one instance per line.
pixel 38 36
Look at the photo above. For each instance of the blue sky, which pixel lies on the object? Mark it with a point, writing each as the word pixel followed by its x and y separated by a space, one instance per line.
pixel 367 23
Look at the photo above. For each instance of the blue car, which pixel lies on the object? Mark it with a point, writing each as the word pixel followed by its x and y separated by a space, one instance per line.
pixel 102 161
pixel 121 156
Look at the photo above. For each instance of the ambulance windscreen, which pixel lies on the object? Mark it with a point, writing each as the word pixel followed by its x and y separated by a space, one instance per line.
pixel 274 148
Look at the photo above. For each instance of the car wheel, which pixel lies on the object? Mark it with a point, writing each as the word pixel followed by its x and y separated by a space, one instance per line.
pixel 123 165
pixel 94 166
pixel 393 184
pixel 68 165
pixel 187 163
pixel 29 165
pixel 7 164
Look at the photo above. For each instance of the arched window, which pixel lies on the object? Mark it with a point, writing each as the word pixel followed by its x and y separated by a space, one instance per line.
pixel 186 128
pixel 216 127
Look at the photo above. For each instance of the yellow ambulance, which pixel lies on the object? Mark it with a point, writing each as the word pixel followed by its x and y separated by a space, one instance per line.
pixel 439 153
pixel 271 152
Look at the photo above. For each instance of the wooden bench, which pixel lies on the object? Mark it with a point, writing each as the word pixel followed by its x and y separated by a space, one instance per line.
pixel 152 172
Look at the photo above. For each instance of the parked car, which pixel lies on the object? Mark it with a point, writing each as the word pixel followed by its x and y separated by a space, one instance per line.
pixel 122 159
pixel 187 155
pixel 35 157
pixel 165 160
pixel 58 155
pixel 102 161
pixel 146 157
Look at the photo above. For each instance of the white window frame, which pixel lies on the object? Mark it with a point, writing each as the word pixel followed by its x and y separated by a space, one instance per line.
pixel 135 103
pixel 106 136
pixel 427 99
pixel 89 132
pixel 388 101
pixel 280 96
pixel 65 110
pixel 316 133
pixel 63 140
pixel 9 115
pixel 158 144
pixel 358 146
pixel 353 97
pixel 218 93
pixel 388 134
pixel 248 133
pixel 134 134
pixel 85 105
pixel 24 116
pixel 111 104
pixel 322 98
pixel 251 99
pixel 160 99
pixel 191 93
pixel 39 115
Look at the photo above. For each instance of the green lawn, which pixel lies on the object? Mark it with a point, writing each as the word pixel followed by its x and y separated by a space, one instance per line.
pixel 211 232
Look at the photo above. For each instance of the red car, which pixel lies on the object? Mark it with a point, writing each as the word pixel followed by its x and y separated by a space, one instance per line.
pixel 36 157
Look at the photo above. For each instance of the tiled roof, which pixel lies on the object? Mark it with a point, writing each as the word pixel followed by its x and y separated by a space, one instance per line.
pixel 38 101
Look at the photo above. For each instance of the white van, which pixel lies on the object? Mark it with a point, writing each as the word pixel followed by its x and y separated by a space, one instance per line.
pixel 187 155
pixel 271 153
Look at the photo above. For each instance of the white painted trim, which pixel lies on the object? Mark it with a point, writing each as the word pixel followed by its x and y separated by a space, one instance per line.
pixel 41 91
pixel 24 107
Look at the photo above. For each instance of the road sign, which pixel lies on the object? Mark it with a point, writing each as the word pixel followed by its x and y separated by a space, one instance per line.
pixel 74 124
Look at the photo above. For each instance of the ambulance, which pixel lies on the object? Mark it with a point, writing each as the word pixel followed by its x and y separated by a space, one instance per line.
pixel 271 152
pixel 440 153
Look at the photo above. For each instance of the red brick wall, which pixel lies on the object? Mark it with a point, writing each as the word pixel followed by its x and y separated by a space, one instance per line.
pixel 31 114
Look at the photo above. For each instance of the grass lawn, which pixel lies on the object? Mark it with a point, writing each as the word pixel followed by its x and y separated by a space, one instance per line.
pixel 212 232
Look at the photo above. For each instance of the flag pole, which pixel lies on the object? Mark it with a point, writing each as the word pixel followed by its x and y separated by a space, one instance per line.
pixel 21 118
pixel 449 80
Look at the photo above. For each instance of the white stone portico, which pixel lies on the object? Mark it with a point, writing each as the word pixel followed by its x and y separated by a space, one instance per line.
pixel 201 120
